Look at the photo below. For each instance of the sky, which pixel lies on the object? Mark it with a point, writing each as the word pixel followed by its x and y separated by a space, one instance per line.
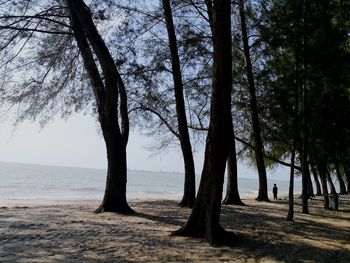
pixel 76 142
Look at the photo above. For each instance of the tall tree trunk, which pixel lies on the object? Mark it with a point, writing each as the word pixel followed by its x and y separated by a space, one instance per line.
pixel 205 215
pixel 190 186
pixel 304 162
pixel 340 179
pixel 305 131
pixel 322 169
pixel 258 145
pixel 317 182
pixel 106 90
pixel 331 184
pixel 290 214
pixel 232 193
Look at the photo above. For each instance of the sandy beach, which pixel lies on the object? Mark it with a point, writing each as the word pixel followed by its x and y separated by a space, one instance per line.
pixel 68 231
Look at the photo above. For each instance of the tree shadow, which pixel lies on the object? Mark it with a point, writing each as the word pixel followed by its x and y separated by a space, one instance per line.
pixel 258 231
pixel 258 249
pixel 161 219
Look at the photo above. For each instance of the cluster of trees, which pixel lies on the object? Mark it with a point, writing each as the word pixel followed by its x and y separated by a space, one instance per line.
pixel 272 76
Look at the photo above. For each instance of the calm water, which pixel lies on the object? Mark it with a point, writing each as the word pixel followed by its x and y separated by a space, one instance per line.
pixel 22 181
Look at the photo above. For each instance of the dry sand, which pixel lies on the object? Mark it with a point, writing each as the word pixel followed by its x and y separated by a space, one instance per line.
pixel 68 231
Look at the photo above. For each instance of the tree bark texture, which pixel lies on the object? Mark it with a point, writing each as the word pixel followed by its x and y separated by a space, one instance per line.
pixel 106 86
pixel 309 183
pixel 290 214
pixel 342 187
pixel 305 112
pixel 205 215
pixel 322 169
pixel 184 138
pixel 347 174
pixel 304 162
pixel 232 194
pixel 317 182
pixel 331 184
pixel 258 145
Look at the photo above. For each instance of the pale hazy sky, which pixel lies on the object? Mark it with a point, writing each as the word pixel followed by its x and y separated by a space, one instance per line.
pixel 76 142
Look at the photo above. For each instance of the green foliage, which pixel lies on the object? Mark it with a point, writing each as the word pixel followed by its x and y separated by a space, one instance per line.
pixel 306 45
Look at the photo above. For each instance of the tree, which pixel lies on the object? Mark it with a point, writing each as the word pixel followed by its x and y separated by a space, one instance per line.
pixel 322 169
pixel 342 187
pixel 205 215
pixel 290 214
pixel 258 147
pixel 167 62
pixel 232 194
pixel 184 138
pixel 107 93
pixel 73 19
pixel 347 174
pixel 317 182
pixel 314 27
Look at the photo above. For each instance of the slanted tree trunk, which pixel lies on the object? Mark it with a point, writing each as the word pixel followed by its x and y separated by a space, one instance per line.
pixel 322 169
pixel 184 138
pixel 317 182
pixel 107 87
pixel 340 179
pixel 232 193
pixel 205 215
pixel 258 145
pixel 331 184
pixel 347 175
pixel 309 181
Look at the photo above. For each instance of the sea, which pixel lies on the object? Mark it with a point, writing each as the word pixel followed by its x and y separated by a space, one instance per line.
pixel 29 181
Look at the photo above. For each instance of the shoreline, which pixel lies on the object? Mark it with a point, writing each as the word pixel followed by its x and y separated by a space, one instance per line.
pixel 38 201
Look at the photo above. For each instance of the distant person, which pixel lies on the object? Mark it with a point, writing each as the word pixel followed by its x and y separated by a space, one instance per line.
pixel 275 191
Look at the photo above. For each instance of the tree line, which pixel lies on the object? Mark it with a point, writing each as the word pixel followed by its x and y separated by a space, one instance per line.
pixel 265 80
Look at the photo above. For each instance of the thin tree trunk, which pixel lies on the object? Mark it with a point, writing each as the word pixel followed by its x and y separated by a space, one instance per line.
pixel 347 174
pixel 205 215
pixel 317 182
pixel 331 184
pixel 309 181
pixel 322 169
pixel 304 161
pixel 106 91
pixel 305 137
pixel 232 193
pixel 340 179
pixel 259 149
pixel 190 186
pixel 290 214
pixel 304 181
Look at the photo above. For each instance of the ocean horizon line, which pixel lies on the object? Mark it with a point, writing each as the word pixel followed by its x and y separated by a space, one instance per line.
pixel 129 169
